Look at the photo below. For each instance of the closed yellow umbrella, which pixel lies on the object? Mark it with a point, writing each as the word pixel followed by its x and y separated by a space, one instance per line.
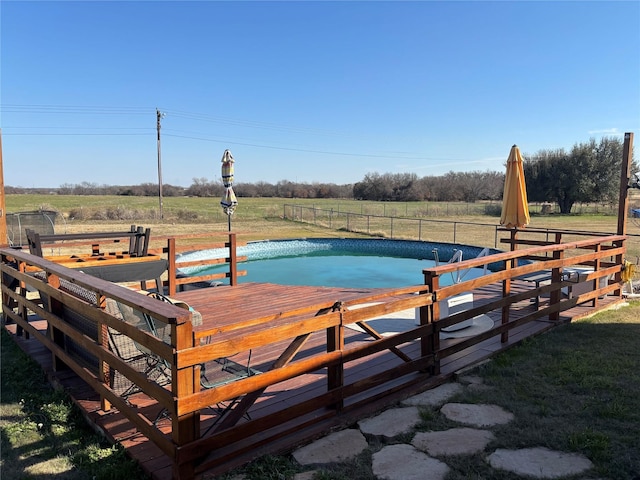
pixel 515 208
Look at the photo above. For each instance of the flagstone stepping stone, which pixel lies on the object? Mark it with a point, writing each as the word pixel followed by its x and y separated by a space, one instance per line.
pixel 335 447
pixel 474 382
pixel 471 380
pixel 391 422
pixel 539 462
pixel 403 462
pixel 434 397
pixel 455 441
pixel 478 415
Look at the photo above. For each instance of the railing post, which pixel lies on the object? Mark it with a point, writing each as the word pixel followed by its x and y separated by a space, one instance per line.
pixel 619 259
pixel 22 290
pixel 55 335
pixel 335 374
pixel 430 345
pixel 171 257
pixel 506 291
pixel 596 267
pixel 556 278
pixel 623 201
pixel 514 239
pixel 185 428
pixel 103 370
pixel 233 260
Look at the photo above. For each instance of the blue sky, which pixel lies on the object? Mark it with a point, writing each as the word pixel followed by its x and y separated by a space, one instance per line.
pixel 306 91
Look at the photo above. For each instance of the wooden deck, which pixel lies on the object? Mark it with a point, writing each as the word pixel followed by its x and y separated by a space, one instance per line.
pixel 229 305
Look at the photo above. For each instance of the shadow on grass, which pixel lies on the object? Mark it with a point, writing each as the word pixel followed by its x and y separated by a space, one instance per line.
pixel 43 434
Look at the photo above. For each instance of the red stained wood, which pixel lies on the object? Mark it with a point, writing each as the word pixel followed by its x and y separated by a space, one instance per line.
pixel 226 306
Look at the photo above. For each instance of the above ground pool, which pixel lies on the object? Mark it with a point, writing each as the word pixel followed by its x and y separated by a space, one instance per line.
pixel 341 262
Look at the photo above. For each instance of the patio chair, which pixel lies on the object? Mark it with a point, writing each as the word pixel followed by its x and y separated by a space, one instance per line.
pixel 220 372
pixel 136 355
pixel 213 374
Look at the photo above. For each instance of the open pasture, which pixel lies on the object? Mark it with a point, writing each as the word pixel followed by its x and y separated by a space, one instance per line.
pixel 263 218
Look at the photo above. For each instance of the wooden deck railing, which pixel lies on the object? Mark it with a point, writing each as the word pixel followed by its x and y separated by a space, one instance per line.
pixel 348 375
pixel 137 236
pixel 89 250
pixel 586 277
pixel 72 303
pixel 179 244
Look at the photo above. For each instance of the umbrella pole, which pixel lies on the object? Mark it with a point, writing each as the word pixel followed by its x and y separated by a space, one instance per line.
pixel 229 221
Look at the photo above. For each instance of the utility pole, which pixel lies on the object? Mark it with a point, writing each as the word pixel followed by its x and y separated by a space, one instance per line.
pixel 159 116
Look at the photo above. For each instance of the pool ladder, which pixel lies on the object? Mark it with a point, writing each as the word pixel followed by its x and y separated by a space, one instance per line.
pixel 459 275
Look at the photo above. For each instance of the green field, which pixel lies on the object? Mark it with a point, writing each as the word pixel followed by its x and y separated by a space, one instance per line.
pixel 263 218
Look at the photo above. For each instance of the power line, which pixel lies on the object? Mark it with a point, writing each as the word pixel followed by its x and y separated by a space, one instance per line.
pixel 251 123
pixel 324 152
pixel 101 110
pixel 78 109
pixel 74 134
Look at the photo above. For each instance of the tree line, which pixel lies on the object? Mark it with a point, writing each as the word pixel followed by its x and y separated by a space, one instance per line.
pixel 587 173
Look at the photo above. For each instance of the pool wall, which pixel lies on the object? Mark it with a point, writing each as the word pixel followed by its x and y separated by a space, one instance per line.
pixel 265 249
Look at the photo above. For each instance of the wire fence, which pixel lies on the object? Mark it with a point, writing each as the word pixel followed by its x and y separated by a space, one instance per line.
pixel 426 229
pixel 448 209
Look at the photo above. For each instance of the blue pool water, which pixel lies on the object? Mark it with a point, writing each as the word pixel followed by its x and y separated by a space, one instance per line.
pixel 349 263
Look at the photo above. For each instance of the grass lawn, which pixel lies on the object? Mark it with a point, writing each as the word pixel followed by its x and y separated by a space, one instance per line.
pixel 43 434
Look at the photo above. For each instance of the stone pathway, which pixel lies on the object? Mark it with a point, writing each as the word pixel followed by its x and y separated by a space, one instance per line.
pixel 424 458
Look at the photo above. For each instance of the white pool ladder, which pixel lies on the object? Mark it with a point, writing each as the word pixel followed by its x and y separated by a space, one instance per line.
pixel 459 275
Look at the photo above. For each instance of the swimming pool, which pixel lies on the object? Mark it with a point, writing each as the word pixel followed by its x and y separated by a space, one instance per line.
pixel 340 262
